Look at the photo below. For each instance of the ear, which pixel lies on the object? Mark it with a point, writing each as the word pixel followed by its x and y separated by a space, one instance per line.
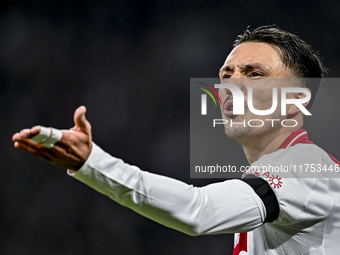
pixel 292 109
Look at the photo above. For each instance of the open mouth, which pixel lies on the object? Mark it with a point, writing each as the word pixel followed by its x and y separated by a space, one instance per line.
pixel 228 108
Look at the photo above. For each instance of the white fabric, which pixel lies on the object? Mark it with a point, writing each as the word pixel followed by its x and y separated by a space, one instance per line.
pixel 55 136
pixel 308 223
pixel 309 219
pixel 48 136
pixel 215 208
pixel 42 136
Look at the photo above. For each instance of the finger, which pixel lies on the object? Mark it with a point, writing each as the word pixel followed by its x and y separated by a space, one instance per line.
pixel 17 136
pixel 41 150
pixel 33 149
pixel 55 155
pixel 81 122
pixel 65 142
pixel 49 138
pixel 26 142
pixel 26 133
pixel 40 135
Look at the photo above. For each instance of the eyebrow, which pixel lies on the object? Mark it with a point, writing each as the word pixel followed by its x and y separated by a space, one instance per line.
pixel 247 66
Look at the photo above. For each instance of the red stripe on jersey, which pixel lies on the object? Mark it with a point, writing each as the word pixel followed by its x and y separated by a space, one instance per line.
pixel 242 244
pixel 299 136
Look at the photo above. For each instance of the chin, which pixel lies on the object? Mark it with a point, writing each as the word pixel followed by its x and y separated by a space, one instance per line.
pixel 247 135
pixel 240 134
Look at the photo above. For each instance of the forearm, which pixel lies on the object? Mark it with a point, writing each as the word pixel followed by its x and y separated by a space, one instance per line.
pixel 225 207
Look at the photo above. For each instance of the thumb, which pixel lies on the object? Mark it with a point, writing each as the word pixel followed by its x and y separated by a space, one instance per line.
pixel 80 120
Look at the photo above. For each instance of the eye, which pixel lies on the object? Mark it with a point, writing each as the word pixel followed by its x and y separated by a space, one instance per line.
pixel 226 75
pixel 255 74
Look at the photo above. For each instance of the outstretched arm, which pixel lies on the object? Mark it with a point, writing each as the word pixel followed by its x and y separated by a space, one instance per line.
pixel 226 207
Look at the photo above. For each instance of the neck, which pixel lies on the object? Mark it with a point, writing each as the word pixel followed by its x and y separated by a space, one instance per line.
pixel 262 146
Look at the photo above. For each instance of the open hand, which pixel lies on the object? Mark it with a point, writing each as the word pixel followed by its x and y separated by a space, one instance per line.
pixel 70 152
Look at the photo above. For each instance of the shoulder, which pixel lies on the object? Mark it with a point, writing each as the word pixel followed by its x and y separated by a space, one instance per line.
pixel 298 177
pixel 299 153
pixel 299 161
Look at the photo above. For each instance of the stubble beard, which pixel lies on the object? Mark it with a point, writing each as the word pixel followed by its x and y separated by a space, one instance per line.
pixel 248 135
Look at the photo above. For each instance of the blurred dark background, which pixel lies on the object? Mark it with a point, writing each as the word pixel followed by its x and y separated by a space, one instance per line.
pixel 129 63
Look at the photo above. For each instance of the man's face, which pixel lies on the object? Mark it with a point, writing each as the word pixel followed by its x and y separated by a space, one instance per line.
pixel 250 65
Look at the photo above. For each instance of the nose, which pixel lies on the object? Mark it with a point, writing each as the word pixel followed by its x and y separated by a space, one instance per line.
pixel 224 93
pixel 237 80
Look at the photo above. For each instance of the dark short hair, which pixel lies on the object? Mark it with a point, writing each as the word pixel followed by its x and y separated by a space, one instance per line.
pixel 296 53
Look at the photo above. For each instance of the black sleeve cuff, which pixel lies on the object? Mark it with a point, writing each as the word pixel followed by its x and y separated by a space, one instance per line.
pixel 267 195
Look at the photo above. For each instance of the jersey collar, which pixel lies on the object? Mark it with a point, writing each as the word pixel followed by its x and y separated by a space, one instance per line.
pixel 299 136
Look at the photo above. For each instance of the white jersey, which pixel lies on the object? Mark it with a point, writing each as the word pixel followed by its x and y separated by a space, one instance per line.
pixel 308 220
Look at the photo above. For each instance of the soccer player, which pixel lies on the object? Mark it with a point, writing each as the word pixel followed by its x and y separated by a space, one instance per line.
pixel 273 214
